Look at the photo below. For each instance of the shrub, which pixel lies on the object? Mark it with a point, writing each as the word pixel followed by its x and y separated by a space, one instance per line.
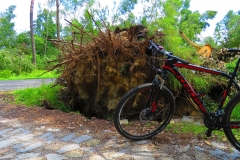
pixel 15 61
pixel 5 73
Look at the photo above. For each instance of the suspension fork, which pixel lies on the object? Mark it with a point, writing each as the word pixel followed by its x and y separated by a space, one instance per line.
pixel 158 90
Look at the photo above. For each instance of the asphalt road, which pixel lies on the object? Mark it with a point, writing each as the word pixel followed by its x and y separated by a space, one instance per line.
pixel 9 85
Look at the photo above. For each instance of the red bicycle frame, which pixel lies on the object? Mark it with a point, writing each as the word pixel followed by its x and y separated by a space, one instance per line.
pixel 172 66
pixel 172 63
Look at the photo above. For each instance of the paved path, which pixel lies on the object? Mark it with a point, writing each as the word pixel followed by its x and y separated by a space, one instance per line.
pixel 24 140
pixel 20 141
pixel 20 84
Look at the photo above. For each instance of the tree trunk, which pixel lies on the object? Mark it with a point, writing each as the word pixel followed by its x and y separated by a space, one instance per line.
pixel 46 38
pixel 58 21
pixel 32 33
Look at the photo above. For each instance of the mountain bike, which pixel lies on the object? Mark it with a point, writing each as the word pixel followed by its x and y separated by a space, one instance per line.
pixel 147 109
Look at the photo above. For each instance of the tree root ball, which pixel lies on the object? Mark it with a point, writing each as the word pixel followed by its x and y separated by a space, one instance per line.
pixel 97 74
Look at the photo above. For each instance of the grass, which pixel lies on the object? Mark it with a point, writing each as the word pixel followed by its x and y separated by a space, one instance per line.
pixel 185 127
pixel 35 74
pixel 189 128
pixel 31 97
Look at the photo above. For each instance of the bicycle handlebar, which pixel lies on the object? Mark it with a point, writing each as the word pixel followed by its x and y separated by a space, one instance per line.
pixel 161 50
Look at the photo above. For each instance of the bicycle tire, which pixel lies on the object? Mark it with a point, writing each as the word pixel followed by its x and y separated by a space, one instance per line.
pixel 130 107
pixel 232 116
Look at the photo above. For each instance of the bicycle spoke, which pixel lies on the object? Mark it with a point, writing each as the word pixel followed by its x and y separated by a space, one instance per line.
pixel 135 118
pixel 232 118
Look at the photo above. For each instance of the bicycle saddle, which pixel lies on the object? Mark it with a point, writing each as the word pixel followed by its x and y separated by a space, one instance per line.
pixel 233 50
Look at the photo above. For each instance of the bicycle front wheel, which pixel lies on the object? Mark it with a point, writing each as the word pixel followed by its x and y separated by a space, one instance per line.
pixel 133 118
pixel 232 120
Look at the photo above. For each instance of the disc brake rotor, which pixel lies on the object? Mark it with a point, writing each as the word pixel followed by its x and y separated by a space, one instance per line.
pixel 146 115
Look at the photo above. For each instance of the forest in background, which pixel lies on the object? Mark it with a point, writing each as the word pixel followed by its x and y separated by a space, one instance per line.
pixel 89 18
pixel 168 16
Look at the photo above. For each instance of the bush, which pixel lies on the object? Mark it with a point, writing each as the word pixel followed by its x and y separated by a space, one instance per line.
pixel 5 73
pixel 14 61
pixel 44 62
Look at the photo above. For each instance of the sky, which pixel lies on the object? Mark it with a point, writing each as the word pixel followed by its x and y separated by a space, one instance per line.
pixel 221 6
pixel 22 11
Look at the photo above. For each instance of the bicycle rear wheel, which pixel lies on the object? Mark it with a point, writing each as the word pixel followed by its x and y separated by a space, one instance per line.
pixel 232 117
pixel 133 118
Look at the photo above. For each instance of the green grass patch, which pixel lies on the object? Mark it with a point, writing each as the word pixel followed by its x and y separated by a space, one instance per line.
pixel 31 97
pixel 8 75
pixel 190 128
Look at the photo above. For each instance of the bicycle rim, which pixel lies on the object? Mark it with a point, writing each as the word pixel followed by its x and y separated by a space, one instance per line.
pixel 232 118
pixel 133 119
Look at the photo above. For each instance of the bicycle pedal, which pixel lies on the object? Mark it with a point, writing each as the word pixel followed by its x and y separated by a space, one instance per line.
pixel 208 133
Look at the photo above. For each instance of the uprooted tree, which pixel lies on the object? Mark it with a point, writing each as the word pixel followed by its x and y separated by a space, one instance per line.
pixel 98 73
pixel 99 70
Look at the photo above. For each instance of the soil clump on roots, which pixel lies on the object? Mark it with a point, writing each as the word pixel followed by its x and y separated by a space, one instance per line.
pixel 98 73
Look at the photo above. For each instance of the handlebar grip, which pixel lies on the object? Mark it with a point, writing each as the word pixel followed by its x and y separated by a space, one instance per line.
pixel 161 50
